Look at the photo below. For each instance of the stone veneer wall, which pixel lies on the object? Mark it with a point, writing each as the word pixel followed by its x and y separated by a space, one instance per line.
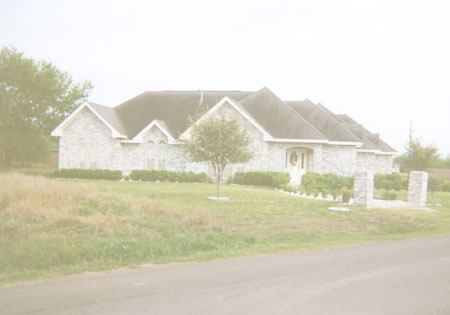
pixel 258 146
pixel 99 144
pixel 339 159
pixel 418 185
pixel 110 153
pixel 363 189
pixel 377 163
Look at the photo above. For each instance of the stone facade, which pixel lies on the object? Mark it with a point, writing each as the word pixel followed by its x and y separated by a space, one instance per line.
pixel 417 190
pixel 363 189
pixel 377 163
pixel 86 142
pixel 339 159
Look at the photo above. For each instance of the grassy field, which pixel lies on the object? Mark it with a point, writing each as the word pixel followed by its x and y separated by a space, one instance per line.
pixel 54 227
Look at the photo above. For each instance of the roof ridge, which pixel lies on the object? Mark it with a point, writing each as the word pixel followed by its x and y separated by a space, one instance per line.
pixel 327 112
pixel 295 113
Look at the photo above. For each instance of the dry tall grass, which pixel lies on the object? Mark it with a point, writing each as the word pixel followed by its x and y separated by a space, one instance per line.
pixel 41 208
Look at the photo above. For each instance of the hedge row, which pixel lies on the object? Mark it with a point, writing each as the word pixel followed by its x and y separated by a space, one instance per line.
pixel 313 183
pixel 390 182
pixel 438 184
pixel 398 182
pixel 87 174
pixel 163 176
pixel 273 179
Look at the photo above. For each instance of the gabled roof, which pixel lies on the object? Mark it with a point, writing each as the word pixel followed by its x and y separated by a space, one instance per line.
pixel 110 115
pixel 371 141
pixel 323 121
pixel 173 107
pixel 104 114
pixel 279 119
pixel 174 112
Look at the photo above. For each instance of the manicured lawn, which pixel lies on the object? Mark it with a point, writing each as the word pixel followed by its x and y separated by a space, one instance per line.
pixel 440 197
pixel 55 227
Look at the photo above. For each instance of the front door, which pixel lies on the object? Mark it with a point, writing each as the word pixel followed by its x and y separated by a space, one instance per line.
pixel 296 164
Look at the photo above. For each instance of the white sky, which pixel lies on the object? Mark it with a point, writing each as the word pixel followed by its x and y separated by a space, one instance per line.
pixel 384 63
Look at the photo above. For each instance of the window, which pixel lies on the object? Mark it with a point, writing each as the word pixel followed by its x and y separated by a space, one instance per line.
pixel 161 164
pixel 93 165
pixel 151 164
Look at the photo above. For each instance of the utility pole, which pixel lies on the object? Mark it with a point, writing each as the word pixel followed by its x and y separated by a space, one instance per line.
pixel 410 136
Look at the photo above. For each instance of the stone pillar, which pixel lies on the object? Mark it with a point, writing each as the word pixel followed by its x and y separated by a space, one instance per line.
pixel 417 189
pixel 363 189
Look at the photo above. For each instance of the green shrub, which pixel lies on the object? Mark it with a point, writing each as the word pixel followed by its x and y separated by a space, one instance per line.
pixel 346 195
pixel 273 179
pixel 313 183
pixel 87 174
pixel 435 183
pixel 389 195
pixel 390 181
pixel 289 188
pixel 164 176
pixel 446 186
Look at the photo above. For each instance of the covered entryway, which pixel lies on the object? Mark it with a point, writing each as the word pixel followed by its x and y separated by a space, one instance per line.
pixel 296 163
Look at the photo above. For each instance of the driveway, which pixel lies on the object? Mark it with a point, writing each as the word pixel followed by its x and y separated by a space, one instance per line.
pixel 403 277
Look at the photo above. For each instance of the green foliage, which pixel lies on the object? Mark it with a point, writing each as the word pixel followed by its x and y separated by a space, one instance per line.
pixel 87 174
pixel 435 183
pixel 273 179
pixel 168 176
pixel 289 188
pixel 219 142
pixel 390 181
pixel 389 195
pixel 34 98
pixel 418 157
pixel 446 186
pixel 442 163
pixel 346 195
pixel 313 183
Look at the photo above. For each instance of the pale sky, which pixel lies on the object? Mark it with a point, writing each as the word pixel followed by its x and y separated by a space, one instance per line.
pixel 384 63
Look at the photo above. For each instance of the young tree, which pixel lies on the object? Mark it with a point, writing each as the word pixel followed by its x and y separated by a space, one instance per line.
pixel 219 142
pixel 418 157
pixel 34 98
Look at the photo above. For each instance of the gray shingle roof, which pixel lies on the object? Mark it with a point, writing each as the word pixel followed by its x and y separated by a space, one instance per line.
pixel 285 120
pixel 323 121
pixel 371 141
pixel 279 119
pixel 110 115
pixel 172 107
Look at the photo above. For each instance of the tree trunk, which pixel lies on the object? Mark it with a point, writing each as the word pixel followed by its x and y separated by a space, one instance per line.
pixel 219 179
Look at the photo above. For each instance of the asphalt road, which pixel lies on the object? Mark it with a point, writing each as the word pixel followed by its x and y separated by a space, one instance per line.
pixel 405 277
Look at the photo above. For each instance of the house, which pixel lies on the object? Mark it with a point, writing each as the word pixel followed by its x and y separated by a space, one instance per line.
pixel 147 132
